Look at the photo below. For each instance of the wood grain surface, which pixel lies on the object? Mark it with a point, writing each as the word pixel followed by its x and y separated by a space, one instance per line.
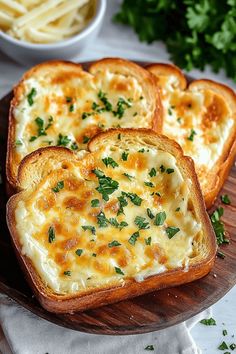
pixel 145 313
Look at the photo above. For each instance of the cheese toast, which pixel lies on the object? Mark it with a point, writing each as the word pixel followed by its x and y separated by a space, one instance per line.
pixel 59 103
pixel 201 117
pixel 125 218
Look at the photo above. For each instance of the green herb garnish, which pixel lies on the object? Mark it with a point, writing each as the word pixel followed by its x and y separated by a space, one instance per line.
pixel 170 170
pixel 177 209
pixel 79 251
pixel 152 172
pixel 124 156
pixel 142 223
pixel 103 97
pixel 232 346
pixel 149 347
pixel 74 146
pixel 148 241
pixel 67 272
pixel 225 199
pixel 108 161
pixel 121 105
pixel 218 226
pixel 18 142
pixel 223 346
pixel 51 234
pixel 122 203
pixel 149 184
pixel 58 187
pixel 162 168
pixel 95 203
pixel 128 176
pixel 141 150
pixel 191 136
pixel 179 120
pixel 102 220
pixel 94 255
pixel 221 254
pixel 31 95
pixel 160 218
pixel 208 322
pixel 107 185
pixel 133 238
pixel 150 214
pixel 114 244
pixel 224 332
pixel 85 139
pixel 63 140
pixel 172 231
pixel 90 228
pixel 135 199
pixel 119 271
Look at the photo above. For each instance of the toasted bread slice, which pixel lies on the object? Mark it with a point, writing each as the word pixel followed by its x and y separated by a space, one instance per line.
pixel 201 117
pixel 126 218
pixel 58 103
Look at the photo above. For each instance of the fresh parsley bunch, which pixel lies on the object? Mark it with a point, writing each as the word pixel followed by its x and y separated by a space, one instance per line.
pixel 196 32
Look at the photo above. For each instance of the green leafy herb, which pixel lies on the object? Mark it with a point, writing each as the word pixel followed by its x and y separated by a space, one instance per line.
pixel 122 203
pixel 94 203
pixel 94 255
pixel 149 347
pixel 108 161
pixel 142 223
pixel 148 241
pixel 179 120
pixel 107 185
pixel 196 33
pixel 71 108
pixel 114 244
pixel 150 214
pixel 160 218
pixel 162 168
pixel 63 140
pixel 170 170
pixel 79 251
pixel 86 115
pixel 68 99
pixel 191 136
pixel 58 187
pixel 119 271
pixel 128 176
pixel 225 199
pixel 172 231
pixel 221 254
pixel 223 346
pixel 133 238
pixel 85 139
pixel 40 123
pixel 177 209
pixel 152 172
pixel 67 272
pixel 102 220
pixel 124 156
pixel 135 199
pixel 90 228
pixel 208 322
pixel 149 184
pixel 51 234
pixel 135 114
pixel 224 332
pixel 218 226
pixel 31 95
pixel 119 136
pixel 232 346
pixel 18 142
pixel 115 223
pixel 141 150
pixel 103 97
pixel 74 146
pixel 169 111
pixel 121 105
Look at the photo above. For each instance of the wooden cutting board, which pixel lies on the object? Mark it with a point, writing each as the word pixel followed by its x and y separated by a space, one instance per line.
pixel 146 313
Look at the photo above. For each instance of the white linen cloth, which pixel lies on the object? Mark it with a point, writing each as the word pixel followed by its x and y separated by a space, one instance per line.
pixel 23 332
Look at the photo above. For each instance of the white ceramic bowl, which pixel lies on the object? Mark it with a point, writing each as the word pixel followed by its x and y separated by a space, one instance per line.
pixel 29 53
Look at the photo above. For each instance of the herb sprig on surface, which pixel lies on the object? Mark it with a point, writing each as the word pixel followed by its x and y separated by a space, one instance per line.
pixel 196 33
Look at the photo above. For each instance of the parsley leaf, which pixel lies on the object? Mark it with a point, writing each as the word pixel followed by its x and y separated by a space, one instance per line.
pixel 172 231
pixel 31 95
pixel 95 203
pixel 208 322
pixel 58 187
pixel 149 184
pixel 121 105
pixel 74 146
pixel 141 223
pixel 18 142
pixel 170 170
pixel 191 136
pixel 218 226
pixel 51 234
pixel 63 140
pixel 85 139
pixel 150 214
pixel 90 228
pixel 108 161
pixel 67 272
pixel 128 176
pixel 79 251
pixel 102 220
pixel 119 271
pixel 223 346
pixel 148 241
pixel 114 244
pixel 133 238
pixel 160 218
pixel 122 203
pixel 225 199
pixel 149 347
pixel 135 199
pixel 152 172
pixel 103 97
pixel 124 156
pixel 107 185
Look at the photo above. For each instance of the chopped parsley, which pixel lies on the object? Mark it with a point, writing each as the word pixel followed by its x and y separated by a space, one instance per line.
pixel 133 238
pixel 103 97
pixel 150 214
pixel 218 226
pixel 141 150
pixel 94 203
pixel 162 168
pixel 148 241
pixel 31 95
pixel 223 346
pixel 160 218
pixel 124 156
pixel 152 172
pixel 90 228
pixel 232 346
pixel 208 322
pixel 79 251
pixel 40 123
pixel 225 199
pixel 221 254
pixel 135 199
pixel 119 136
pixel 179 120
pixel 63 140
pixel 94 255
pixel 71 108
pixel 68 99
pixel 106 186
pixel 18 142
pixel 170 111
pixel 149 184
pixel 224 332
pixel 86 115
pixel 122 203
pixel 108 161
pixel 114 244
pixel 149 347
pixel 58 187
pixel 116 224
pixel 191 136
pixel 51 234
pixel 141 223
pixel 128 176
pixel 85 139
pixel 67 272
pixel 135 114
pixel 74 146
pixel 170 170
pixel 102 220
pixel 177 209
pixel 172 231
pixel 121 105
pixel 119 271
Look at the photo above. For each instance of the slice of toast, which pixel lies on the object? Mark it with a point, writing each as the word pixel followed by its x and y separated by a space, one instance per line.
pixel 59 103
pixel 201 117
pixel 125 219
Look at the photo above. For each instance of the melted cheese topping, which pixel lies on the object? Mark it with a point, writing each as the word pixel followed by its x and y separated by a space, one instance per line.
pixel 69 104
pixel 79 257
pixel 203 111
